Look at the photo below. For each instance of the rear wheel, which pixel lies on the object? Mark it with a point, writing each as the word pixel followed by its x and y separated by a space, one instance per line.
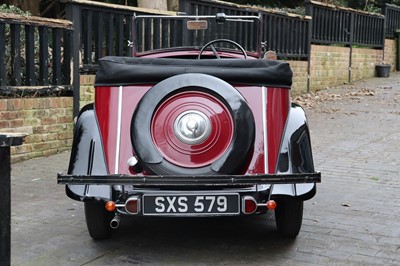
pixel 289 217
pixel 98 220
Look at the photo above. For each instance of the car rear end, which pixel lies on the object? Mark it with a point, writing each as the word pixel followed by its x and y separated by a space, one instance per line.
pixel 168 136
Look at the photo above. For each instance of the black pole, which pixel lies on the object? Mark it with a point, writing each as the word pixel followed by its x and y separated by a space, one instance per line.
pixel 6 141
pixel 73 13
pixel 351 40
pixel 310 13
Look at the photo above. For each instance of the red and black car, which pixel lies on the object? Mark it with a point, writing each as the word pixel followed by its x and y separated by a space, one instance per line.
pixel 201 126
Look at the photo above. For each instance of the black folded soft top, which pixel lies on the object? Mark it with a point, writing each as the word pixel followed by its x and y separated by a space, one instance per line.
pixel 117 70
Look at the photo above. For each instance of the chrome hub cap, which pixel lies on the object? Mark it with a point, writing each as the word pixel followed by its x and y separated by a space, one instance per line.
pixel 192 127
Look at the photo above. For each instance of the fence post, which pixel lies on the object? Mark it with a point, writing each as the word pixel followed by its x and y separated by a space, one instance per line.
pixel 351 43
pixel 6 141
pixel 309 12
pixel 182 6
pixel 73 13
pixel 384 8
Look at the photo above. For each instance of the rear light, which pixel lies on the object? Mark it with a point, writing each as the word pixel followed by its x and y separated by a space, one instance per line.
pixel 271 205
pixel 249 205
pixel 110 206
pixel 132 205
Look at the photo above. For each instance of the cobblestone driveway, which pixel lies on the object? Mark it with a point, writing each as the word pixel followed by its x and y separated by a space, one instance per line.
pixel 353 220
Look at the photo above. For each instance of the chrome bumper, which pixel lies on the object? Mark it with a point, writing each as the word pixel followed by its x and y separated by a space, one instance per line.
pixel 187 181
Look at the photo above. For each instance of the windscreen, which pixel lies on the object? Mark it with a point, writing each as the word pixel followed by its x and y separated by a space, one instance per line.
pixel 161 32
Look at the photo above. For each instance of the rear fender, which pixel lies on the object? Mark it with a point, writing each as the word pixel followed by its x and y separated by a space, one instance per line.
pixel 87 158
pixel 295 156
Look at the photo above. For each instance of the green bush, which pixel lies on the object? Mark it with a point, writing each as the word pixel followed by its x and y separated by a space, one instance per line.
pixel 13 9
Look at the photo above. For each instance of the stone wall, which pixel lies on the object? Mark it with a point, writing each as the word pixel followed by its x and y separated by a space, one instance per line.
pixel 48 121
pixel 390 53
pixel 364 61
pixel 299 82
pixel 329 66
pixel 86 89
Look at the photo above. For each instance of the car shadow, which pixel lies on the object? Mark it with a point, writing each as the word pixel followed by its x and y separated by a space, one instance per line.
pixel 191 237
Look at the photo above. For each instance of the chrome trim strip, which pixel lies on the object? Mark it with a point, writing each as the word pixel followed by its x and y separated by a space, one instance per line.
pixel 118 141
pixel 265 132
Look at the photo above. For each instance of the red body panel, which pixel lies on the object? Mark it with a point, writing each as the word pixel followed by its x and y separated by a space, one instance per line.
pixel 278 104
pixel 277 109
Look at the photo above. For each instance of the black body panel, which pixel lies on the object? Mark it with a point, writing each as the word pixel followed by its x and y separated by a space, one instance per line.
pixel 295 156
pixel 87 157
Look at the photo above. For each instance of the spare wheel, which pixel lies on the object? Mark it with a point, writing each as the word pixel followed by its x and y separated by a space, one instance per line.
pixel 192 124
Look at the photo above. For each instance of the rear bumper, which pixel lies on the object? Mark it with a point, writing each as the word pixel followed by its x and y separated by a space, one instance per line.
pixel 190 181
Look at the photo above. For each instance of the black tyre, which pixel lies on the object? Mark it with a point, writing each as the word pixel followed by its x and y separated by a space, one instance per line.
pixel 98 220
pixel 289 217
pixel 187 93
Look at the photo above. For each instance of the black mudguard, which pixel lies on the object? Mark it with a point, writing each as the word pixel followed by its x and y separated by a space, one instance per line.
pixel 87 158
pixel 295 156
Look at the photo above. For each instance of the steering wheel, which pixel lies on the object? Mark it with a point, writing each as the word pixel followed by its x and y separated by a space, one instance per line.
pixel 211 44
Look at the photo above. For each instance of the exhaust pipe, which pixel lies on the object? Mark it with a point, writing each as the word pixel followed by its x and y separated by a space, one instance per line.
pixel 115 222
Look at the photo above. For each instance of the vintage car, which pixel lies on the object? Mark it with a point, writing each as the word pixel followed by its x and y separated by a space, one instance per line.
pixel 193 124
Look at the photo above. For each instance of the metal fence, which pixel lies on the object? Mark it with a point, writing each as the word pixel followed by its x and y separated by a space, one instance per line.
pixel 336 25
pixel 392 20
pixel 101 29
pixel 34 52
pixel 287 35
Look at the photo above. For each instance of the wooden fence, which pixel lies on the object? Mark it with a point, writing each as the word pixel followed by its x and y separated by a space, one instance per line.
pixel 286 34
pixel 392 20
pixel 34 52
pixel 337 25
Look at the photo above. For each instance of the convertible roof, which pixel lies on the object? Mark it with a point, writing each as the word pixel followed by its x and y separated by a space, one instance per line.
pixel 116 70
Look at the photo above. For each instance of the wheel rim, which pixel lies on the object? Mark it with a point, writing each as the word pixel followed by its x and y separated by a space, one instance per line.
pixel 192 129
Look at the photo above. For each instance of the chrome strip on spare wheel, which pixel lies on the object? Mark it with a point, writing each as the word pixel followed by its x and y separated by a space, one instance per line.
pixel 264 118
pixel 118 141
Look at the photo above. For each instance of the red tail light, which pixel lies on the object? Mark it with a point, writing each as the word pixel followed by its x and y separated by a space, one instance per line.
pixel 249 205
pixel 132 205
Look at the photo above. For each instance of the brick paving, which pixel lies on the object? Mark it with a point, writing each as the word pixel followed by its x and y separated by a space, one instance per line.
pixel 353 220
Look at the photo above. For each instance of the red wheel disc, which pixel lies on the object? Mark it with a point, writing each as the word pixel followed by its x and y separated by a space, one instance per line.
pixel 196 155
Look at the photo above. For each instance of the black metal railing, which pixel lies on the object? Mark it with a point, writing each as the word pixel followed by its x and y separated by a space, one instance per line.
pixel 102 29
pixel 392 20
pixel 157 33
pixel 34 52
pixel 336 25
pixel 285 34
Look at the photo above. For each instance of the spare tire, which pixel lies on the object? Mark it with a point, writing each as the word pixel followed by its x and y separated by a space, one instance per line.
pixel 192 124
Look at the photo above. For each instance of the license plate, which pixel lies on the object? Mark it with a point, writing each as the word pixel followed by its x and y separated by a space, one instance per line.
pixel 191 204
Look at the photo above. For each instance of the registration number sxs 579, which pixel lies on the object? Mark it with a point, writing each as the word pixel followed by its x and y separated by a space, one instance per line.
pixel 206 204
